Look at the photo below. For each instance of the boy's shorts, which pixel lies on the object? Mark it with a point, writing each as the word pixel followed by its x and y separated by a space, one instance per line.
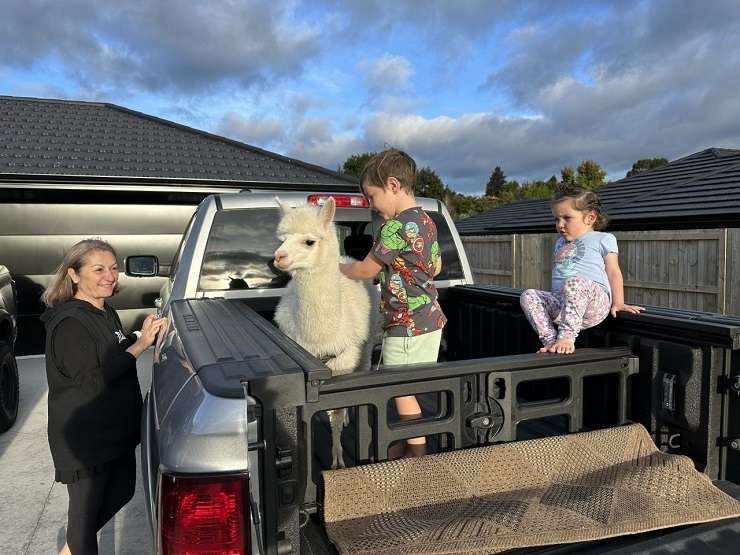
pixel 411 350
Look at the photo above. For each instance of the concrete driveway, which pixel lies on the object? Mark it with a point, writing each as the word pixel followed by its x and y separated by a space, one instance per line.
pixel 33 510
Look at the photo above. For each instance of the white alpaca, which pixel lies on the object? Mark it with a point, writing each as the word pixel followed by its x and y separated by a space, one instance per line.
pixel 331 316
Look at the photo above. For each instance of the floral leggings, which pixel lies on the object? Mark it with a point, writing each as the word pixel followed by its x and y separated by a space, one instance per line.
pixel 581 304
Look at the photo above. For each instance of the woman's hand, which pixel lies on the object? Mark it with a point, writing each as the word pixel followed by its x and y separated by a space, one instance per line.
pixel 621 307
pixel 150 329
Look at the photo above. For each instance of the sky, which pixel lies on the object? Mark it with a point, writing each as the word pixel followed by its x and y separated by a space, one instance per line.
pixel 461 85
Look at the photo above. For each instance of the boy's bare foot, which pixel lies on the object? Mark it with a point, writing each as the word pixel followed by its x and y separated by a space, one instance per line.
pixel 562 346
pixel 65 550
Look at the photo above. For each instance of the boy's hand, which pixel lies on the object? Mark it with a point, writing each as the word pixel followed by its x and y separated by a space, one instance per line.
pixel 632 309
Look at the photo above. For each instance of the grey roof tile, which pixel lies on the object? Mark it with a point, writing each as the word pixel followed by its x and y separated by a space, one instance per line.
pixel 66 138
pixel 699 190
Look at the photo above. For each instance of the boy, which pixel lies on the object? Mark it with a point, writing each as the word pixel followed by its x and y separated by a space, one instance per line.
pixel 405 257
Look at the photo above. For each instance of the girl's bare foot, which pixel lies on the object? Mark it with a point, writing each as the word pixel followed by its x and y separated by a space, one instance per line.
pixel 562 346
pixel 545 349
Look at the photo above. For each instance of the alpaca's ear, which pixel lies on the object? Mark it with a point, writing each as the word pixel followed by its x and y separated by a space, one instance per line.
pixel 327 212
pixel 284 208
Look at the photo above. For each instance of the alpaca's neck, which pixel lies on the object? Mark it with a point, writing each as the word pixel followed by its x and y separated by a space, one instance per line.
pixel 319 287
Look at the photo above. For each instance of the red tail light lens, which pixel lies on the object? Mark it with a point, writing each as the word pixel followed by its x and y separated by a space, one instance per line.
pixel 342 201
pixel 204 516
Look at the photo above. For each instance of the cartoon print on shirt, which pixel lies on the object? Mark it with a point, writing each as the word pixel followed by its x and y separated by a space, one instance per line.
pixel 389 237
pixel 399 264
pixel 414 240
pixel 567 255
pixel 397 288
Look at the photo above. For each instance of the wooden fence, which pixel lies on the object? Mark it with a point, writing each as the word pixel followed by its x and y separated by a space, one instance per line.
pixel 694 269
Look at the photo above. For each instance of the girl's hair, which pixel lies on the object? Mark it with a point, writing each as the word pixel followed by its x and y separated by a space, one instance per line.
pixel 584 200
pixel 62 287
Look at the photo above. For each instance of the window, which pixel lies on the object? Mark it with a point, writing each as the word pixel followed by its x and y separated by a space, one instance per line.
pixel 239 253
pixel 451 267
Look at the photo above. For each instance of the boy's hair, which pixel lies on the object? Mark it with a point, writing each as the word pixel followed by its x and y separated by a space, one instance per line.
pixel 390 163
pixel 584 200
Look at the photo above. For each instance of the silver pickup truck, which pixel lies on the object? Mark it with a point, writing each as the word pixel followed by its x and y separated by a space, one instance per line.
pixel 234 434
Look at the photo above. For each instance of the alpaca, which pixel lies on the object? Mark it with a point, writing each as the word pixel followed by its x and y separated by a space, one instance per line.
pixel 331 316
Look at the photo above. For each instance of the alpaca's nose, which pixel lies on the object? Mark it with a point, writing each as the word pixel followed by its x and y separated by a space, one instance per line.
pixel 280 256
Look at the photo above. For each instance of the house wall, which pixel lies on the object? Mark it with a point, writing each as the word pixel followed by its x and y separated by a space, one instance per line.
pixel 692 269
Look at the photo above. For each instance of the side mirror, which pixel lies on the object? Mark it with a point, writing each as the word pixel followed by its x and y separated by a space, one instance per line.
pixel 142 266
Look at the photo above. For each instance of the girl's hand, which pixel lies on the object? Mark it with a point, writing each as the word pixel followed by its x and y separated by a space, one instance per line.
pixel 621 307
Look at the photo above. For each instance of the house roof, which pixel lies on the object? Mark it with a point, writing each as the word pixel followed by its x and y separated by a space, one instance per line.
pixel 58 139
pixel 700 190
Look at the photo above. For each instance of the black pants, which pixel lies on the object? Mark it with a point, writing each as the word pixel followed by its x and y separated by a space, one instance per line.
pixel 94 500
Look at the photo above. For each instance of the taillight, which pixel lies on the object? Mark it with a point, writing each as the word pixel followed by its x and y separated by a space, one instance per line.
pixel 204 516
pixel 342 201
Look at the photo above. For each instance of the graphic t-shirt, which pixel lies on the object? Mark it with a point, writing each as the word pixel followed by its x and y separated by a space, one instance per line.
pixel 408 249
pixel 583 257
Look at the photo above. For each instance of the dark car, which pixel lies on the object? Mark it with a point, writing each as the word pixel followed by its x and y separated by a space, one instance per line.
pixel 9 385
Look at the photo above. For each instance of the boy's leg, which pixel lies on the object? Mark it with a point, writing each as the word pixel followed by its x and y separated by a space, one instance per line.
pixel 580 296
pixel 411 350
pixel 541 308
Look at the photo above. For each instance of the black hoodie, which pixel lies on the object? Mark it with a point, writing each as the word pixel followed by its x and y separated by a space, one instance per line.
pixel 94 394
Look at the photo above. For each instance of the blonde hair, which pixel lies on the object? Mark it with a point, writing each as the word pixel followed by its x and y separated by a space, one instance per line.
pixel 584 200
pixel 62 287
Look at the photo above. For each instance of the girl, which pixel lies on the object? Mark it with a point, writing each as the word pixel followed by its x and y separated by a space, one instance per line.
pixel 586 279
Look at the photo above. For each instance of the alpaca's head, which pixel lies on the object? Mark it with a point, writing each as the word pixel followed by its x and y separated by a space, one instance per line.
pixel 309 239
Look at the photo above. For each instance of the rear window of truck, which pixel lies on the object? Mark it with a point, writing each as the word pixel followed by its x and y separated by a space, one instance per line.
pixel 239 253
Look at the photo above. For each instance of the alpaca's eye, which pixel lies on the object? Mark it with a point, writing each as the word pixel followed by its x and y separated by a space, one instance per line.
pixel 310 242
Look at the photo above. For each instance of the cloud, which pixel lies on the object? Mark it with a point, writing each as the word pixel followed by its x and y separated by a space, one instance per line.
pixel 263 131
pixel 172 45
pixel 386 74
pixel 622 82
pixel 463 86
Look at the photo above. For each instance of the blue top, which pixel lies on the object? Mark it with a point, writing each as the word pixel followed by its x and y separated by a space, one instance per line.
pixel 583 257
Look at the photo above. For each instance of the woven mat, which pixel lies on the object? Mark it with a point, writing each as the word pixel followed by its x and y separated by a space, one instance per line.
pixel 486 500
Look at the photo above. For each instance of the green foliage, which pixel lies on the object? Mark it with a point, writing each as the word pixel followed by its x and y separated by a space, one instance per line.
pixel 464 206
pixel 496 182
pixel 499 191
pixel 356 163
pixel 428 184
pixel 645 164
pixel 567 175
pixel 590 175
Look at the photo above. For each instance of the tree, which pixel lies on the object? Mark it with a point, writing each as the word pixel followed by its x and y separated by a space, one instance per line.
pixel 356 163
pixel 590 175
pixel 567 175
pixel 496 182
pixel 428 184
pixel 645 164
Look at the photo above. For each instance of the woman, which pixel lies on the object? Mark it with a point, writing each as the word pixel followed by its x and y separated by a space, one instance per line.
pixel 94 394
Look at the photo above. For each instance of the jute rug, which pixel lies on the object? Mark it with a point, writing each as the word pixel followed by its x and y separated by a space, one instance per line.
pixel 561 489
